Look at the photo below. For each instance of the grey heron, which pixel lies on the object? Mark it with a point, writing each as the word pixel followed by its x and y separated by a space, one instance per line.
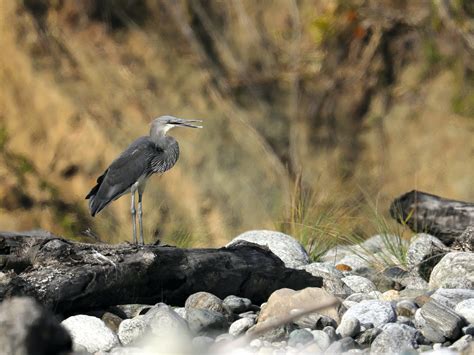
pixel 147 155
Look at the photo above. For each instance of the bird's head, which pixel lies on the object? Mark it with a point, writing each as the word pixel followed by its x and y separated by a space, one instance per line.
pixel 161 125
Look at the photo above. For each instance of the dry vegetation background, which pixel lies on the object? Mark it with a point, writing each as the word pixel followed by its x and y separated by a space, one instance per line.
pixel 310 107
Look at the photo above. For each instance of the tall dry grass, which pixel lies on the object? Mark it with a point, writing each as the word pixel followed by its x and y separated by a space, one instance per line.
pixel 76 89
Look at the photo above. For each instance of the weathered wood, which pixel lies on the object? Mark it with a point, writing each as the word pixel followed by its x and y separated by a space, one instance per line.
pixel 438 216
pixel 69 277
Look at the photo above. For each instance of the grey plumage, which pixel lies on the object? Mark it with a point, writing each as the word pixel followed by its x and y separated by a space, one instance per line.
pixel 147 155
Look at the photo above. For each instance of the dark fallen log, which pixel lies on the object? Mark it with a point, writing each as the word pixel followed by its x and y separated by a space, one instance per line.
pixel 441 217
pixel 70 277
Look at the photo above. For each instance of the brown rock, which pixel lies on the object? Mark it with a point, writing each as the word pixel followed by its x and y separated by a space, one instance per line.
pixel 282 303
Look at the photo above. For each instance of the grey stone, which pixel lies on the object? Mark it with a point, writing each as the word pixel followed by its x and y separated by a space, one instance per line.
pixel 331 332
pixel 202 343
pixel 205 300
pixel 359 284
pixel 341 346
pixel 288 249
pixel 237 304
pixel 221 338
pixel 378 243
pixel 331 278
pixel 455 270
pixel 406 308
pixel 322 339
pixel 437 322
pixel 349 327
pixel 357 264
pixel 123 351
pixel 395 338
pixel 133 310
pixel 240 326
pixel 465 242
pixel 335 254
pixel 373 311
pixel 28 328
pixel 466 310
pixel 424 252
pixel 249 314
pixel 90 332
pixel 368 336
pixel 450 297
pixel 359 297
pixel 310 321
pixel 131 330
pixel 161 321
pixel 348 304
pixel 300 336
pixel 462 343
pixel 406 321
pixel 205 322
pixel 181 311
pixel 469 329
pixel 256 343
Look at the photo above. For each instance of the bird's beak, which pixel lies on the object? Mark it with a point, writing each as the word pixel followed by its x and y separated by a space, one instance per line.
pixel 185 123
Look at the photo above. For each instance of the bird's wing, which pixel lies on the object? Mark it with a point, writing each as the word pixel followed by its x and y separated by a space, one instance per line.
pixel 124 171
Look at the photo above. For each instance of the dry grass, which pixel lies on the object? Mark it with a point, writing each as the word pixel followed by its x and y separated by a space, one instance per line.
pixel 75 94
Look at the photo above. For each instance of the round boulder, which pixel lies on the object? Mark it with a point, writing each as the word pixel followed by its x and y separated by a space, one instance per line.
pixel 455 270
pixel 288 249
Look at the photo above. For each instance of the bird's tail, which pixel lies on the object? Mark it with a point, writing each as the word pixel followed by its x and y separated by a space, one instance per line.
pixel 96 204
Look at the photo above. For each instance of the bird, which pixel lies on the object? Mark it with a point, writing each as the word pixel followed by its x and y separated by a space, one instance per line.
pixel 129 172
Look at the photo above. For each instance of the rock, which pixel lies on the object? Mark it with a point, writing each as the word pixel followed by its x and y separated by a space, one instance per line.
pixel 357 264
pixel 256 343
pixel 309 321
pixel 349 327
pixel 223 338
pixel 283 302
pixel 237 304
pixel 331 278
pixel 161 321
pixel 359 284
pixel 341 346
pixel 390 295
pixel 372 311
pixel 130 330
pixel 424 252
pixel 205 300
pixel 181 311
pixel 406 321
pixel 368 336
pixel 455 270
pixel 466 310
pixel 241 326
pixel 133 310
pixel 406 308
pixel 465 242
pixel 322 339
pixel 27 328
pixel 394 338
pixel 90 332
pixel 379 242
pixel 359 297
pixel 288 249
pixel 300 336
pixel 437 322
pixel 205 322
pixel 112 321
pixel 122 351
pixel 249 314
pixel 311 348
pixel 335 254
pixel 462 343
pixel 202 343
pixel 450 297
pixel 331 332
pixel 468 329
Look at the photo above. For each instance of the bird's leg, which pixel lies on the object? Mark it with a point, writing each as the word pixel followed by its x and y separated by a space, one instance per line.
pixel 134 213
pixel 140 213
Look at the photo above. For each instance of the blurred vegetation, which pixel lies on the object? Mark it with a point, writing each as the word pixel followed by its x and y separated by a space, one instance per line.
pixel 306 104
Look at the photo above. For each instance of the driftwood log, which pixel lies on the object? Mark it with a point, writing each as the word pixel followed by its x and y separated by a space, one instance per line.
pixel 70 277
pixel 438 216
